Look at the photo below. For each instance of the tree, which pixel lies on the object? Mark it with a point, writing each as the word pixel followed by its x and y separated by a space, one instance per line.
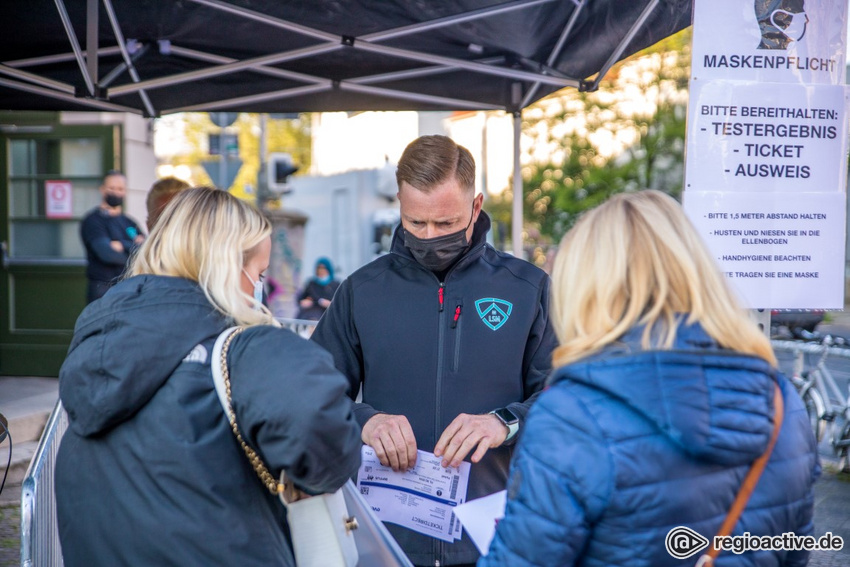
pixel 582 147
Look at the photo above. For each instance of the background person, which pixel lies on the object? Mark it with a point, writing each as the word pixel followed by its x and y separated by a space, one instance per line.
pixel 439 332
pixel 109 236
pixel 661 401
pixel 160 194
pixel 149 471
pixel 318 292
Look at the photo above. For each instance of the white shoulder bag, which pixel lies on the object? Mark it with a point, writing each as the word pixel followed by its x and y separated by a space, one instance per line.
pixel 321 527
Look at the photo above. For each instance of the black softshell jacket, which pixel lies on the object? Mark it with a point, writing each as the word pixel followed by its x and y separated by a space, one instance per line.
pixel 149 472
pixel 481 340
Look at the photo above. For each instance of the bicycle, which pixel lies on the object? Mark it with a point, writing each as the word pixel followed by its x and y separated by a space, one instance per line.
pixel 827 408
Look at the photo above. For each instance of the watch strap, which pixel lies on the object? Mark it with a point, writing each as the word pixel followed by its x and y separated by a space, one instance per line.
pixel 513 428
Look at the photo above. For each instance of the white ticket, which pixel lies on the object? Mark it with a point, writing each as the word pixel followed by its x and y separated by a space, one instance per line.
pixel 421 499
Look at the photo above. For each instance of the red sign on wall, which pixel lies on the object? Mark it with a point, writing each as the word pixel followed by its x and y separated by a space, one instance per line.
pixel 57 199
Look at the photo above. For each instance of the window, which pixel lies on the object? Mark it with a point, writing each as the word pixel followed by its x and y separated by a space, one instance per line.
pixel 32 162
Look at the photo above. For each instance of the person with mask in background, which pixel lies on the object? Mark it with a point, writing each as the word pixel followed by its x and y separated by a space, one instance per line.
pixel 664 395
pixel 149 471
pixel 449 338
pixel 109 236
pixel 160 194
pixel 318 292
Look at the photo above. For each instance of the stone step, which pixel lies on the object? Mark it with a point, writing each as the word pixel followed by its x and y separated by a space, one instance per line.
pixel 22 454
pixel 26 403
pixel 27 420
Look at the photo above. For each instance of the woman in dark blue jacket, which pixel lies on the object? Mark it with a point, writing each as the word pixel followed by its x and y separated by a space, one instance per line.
pixel 150 472
pixel 319 291
pixel 661 400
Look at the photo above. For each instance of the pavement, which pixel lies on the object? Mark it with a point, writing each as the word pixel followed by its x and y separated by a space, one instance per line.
pixel 28 401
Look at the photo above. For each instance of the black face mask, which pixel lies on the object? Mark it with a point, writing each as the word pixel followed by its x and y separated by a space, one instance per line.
pixel 113 200
pixel 437 254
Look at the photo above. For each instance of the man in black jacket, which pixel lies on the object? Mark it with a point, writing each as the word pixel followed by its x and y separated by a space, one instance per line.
pixel 449 338
pixel 109 237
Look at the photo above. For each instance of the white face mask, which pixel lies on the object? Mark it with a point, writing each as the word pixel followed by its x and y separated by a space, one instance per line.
pixel 258 287
pixel 796 28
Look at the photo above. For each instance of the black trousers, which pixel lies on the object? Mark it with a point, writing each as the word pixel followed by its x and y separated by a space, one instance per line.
pixel 96 290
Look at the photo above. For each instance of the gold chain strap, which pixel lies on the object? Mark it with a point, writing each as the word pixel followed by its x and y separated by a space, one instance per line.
pixel 265 476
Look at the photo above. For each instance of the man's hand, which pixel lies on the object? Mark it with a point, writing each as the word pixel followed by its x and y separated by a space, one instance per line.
pixel 139 238
pixel 324 302
pixel 306 303
pixel 392 439
pixel 116 245
pixel 467 431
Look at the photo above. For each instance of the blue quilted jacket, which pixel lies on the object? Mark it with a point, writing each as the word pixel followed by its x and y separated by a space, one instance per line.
pixel 628 444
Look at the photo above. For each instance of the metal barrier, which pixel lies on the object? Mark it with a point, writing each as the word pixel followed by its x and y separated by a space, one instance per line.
pixel 39 531
pixel 301 327
pixel 810 348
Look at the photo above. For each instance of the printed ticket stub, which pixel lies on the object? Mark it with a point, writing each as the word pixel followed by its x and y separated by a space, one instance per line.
pixel 421 499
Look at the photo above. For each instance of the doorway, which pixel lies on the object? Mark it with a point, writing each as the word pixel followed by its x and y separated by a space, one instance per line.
pixel 50 180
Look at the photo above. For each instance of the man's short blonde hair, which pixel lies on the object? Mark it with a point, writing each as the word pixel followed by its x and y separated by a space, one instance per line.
pixel 429 161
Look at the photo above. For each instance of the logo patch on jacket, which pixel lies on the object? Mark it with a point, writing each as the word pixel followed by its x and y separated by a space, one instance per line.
pixel 197 354
pixel 493 312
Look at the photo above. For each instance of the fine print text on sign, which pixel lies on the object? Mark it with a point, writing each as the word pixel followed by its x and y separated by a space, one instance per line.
pixel 776 253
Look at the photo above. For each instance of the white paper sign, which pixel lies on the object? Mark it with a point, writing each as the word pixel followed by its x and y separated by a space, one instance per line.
pixel 480 518
pixel 767 146
pixel 766 137
pixel 779 252
pixel 57 199
pixel 421 499
pixel 788 42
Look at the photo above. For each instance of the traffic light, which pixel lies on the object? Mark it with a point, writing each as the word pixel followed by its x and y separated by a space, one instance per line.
pixel 280 167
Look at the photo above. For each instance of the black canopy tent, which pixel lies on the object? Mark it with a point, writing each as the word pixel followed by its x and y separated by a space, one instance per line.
pixel 157 57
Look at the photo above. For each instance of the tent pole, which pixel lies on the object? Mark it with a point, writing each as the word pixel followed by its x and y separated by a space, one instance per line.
pixel 58 58
pixel 556 51
pixel 35 89
pixel 219 70
pixel 75 45
pixel 615 56
pixel 516 215
pixel 37 79
pixel 91 39
pixel 125 55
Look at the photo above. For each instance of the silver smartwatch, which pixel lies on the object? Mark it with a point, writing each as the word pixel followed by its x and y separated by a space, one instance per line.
pixel 509 419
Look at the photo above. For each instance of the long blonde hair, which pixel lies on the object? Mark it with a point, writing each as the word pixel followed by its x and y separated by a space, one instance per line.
pixel 206 235
pixel 637 260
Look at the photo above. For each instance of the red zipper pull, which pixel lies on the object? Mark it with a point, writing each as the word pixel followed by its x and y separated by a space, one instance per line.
pixel 457 316
pixel 442 287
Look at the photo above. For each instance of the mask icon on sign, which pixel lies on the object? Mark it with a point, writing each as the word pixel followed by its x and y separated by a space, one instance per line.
pixel 780 22
pixel 795 29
